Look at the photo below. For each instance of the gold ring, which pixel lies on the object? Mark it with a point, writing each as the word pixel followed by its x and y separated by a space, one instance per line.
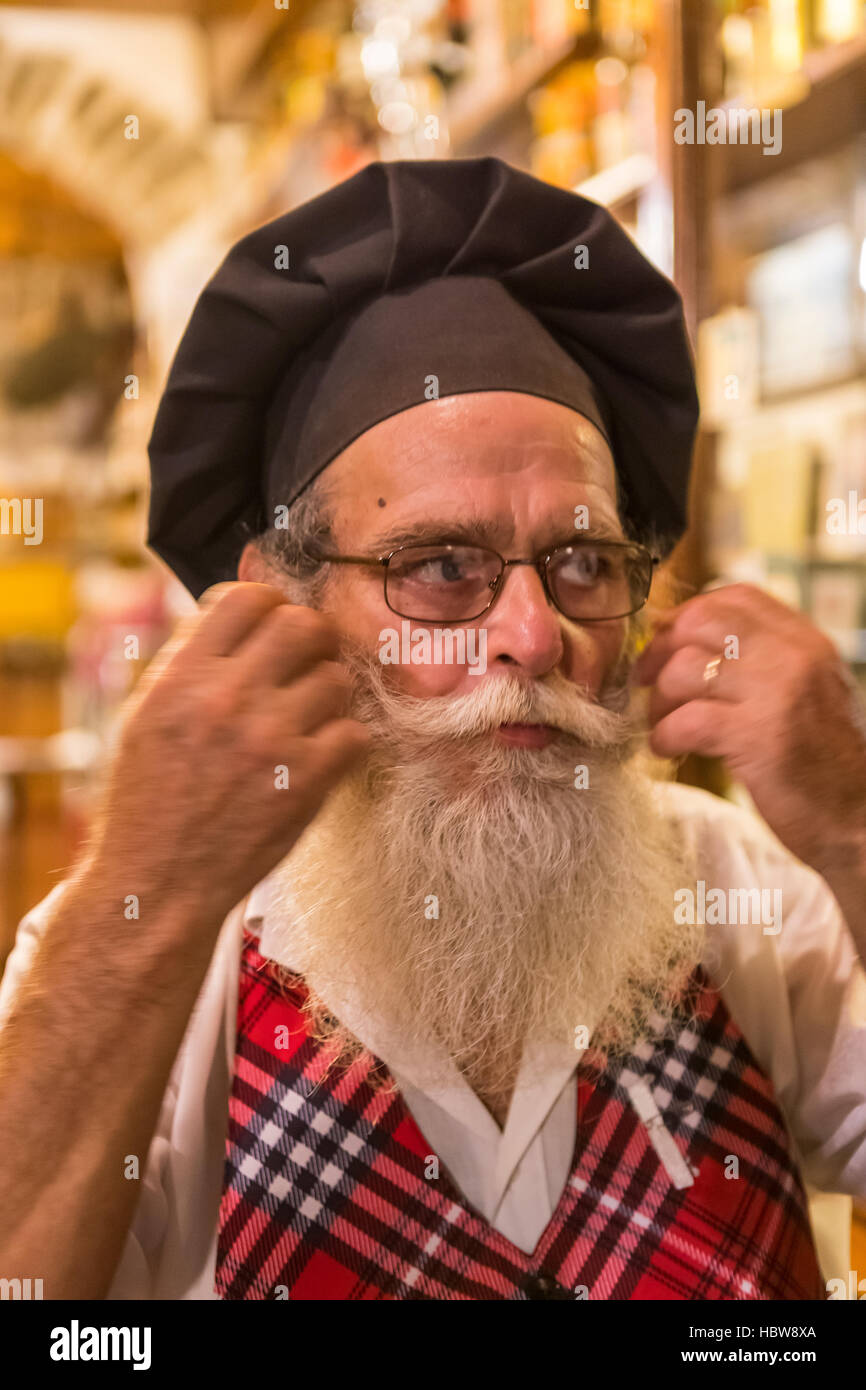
pixel 711 670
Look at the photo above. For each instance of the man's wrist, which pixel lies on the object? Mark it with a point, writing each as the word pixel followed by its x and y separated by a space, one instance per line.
pixel 843 868
pixel 133 919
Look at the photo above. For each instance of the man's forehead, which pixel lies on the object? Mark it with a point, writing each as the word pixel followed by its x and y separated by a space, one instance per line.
pixel 472 442
pixel 545 503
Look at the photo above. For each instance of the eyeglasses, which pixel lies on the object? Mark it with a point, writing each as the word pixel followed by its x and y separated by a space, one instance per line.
pixel 588 581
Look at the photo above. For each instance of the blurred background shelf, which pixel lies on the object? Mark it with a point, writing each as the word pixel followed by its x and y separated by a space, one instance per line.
pixel 244 108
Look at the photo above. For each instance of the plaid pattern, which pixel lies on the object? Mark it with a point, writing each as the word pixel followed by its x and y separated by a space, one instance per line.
pixel 325 1194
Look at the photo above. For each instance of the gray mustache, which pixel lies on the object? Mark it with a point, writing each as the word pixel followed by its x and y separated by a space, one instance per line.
pixel 604 723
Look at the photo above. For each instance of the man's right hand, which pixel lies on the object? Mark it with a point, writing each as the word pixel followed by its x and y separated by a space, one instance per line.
pixel 195 806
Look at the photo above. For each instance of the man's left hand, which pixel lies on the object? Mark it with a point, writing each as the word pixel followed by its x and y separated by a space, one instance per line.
pixel 740 676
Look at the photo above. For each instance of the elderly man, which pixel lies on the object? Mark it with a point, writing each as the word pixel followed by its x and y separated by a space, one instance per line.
pixel 391 970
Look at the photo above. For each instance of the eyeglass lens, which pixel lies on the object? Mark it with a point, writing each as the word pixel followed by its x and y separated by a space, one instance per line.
pixel 457 583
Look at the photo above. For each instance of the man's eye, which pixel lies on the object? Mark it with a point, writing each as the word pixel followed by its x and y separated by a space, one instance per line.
pixel 437 569
pixel 585 567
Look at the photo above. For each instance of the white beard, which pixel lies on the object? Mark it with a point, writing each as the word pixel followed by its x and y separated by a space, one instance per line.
pixel 469 895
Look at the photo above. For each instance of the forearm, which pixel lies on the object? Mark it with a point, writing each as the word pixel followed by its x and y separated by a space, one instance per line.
pixel 85 1056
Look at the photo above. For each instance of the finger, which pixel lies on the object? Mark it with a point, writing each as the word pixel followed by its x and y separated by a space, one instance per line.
pixel 215 593
pixel 320 695
pixel 685 677
pixel 655 655
pixel 701 726
pixel 229 613
pixel 709 621
pixel 289 640
pixel 338 745
pixel 161 660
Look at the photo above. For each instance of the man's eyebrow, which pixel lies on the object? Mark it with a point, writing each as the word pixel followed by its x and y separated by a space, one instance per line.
pixel 472 532
pixel 480 532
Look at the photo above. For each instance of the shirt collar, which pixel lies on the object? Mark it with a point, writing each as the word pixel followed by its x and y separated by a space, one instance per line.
pixel 256 905
pixel 407 1064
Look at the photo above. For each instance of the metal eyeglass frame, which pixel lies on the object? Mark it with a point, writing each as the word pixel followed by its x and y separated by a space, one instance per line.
pixel 540 563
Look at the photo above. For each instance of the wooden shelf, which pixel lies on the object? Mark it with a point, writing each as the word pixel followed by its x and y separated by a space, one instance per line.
pixel 474 121
pixel 833 113
pixel 620 182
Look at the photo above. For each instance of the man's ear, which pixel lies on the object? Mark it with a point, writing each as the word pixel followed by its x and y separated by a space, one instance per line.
pixel 253 568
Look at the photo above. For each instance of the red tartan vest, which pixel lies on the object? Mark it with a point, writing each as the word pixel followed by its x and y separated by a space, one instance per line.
pixel 325 1193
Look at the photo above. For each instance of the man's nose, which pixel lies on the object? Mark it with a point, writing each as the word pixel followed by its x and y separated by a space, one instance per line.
pixel 523 627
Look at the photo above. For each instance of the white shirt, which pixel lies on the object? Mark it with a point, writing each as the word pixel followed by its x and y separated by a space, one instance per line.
pixel 798 997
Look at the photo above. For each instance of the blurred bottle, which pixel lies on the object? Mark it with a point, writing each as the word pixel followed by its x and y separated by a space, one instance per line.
pixel 516 28
pixel 835 21
pixel 563 114
pixel 611 129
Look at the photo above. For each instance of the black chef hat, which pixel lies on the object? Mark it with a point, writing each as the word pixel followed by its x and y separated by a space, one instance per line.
pixel 409 279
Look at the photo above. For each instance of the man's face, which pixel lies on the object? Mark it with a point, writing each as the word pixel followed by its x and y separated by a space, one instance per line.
pixel 495 468
pixel 465 878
